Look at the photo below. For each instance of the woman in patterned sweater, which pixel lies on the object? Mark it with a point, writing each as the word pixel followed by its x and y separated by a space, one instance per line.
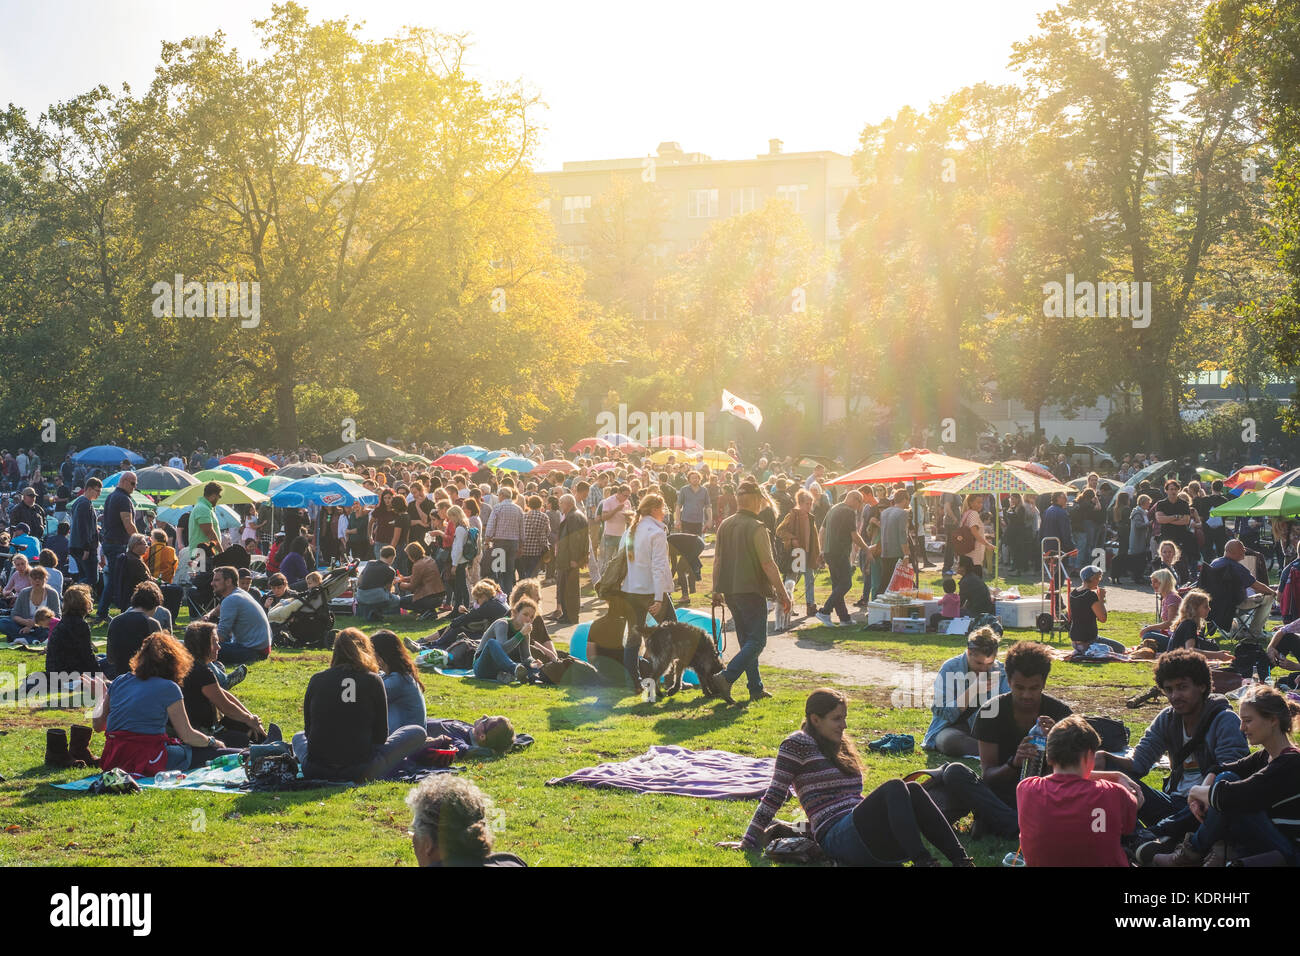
pixel 884 828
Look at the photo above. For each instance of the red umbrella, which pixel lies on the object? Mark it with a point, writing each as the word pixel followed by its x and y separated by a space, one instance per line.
pixel 587 443
pixel 1033 467
pixel 455 463
pixel 915 464
pixel 678 442
pixel 554 464
pixel 259 463
pixel 1251 474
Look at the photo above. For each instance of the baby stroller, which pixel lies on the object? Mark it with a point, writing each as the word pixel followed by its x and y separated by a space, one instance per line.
pixel 199 596
pixel 305 620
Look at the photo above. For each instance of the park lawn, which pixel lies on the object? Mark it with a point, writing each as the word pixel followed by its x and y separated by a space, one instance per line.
pixel 559 826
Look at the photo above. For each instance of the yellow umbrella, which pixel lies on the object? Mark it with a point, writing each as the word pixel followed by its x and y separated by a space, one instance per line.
pixel 717 460
pixel 230 495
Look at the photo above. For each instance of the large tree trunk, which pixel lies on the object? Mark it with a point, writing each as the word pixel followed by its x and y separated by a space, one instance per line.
pixel 1155 414
pixel 286 415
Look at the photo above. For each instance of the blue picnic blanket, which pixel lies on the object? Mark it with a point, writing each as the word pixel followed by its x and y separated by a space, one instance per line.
pixel 204 778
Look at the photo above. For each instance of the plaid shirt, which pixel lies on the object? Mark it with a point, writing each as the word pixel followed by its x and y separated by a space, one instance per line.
pixel 537 533
pixel 506 522
pixel 594 497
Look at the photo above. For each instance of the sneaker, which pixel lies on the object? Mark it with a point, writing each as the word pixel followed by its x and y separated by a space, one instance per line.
pixel 521 673
pixel 505 677
pixel 237 675
pixel 862 602
pixel 893 744
pixel 411 646
pixel 1146 697
pixel 824 618
pixel 761 695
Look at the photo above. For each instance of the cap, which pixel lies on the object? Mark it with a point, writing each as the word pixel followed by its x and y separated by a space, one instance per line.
pixel 28 491
pixel 22 528
pixel 1089 572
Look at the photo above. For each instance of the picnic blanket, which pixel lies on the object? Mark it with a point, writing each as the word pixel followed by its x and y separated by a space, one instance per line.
pixel 1074 657
pixel 204 778
pixel 709 774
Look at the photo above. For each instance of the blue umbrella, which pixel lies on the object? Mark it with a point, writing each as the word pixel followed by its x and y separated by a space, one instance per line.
pixel 512 463
pixel 246 473
pixel 105 456
pixel 486 455
pixel 321 490
pixel 465 450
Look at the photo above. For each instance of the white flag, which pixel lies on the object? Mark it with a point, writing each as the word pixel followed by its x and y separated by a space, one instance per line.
pixel 742 409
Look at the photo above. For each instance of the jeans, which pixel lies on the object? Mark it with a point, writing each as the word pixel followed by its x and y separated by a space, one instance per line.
pixel 608 545
pixel 809 591
pixel 503 553
pixel 459 589
pixel 1253 833
pixel 526 565
pixel 87 572
pixel 241 654
pixel 111 554
pixel 1165 815
pixel 11 629
pixel 401 743
pixel 638 606
pixel 749 613
pixel 430 602
pixel 841 584
pixel 567 598
pixel 844 845
pixel 492 659
pixel 376 600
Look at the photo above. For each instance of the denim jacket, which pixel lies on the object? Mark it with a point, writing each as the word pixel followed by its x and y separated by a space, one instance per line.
pixel 951 678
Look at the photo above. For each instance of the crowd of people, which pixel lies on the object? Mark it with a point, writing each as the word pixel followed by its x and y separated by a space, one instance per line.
pixel 473 551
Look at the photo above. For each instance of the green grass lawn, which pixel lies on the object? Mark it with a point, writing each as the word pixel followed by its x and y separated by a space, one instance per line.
pixel 366 825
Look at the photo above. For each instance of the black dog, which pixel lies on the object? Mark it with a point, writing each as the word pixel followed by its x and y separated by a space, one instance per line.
pixel 674 646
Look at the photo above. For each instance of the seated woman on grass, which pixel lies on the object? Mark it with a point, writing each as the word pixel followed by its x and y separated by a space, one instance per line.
pixel 70 649
pixel 345 711
pixel 505 653
pixel 489 605
pixel 538 638
pixel 884 828
pixel 1251 805
pixel 1087 610
pixel 1189 628
pixel 136 710
pixel 1153 639
pixel 21 627
pixel 212 709
pixel 402 682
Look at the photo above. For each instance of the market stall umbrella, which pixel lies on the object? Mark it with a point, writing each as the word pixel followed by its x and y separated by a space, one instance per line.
pixel 554 464
pixel 364 449
pixel 1149 472
pixel 585 444
pixel 1280 502
pixel 227 518
pixel 997 479
pixel 160 480
pixel 105 456
pixel 218 474
pixel 455 463
pixel 1251 473
pixel 250 459
pixel 679 442
pixel 303 469
pixel 230 495
pixel 914 464
pixel 141 502
pixel 465 450
pixel 268 483
pixel 243 471
pixel 1033 467
pixel 512 463
pixel 411 458
pixel 322 490
pixel 1209 474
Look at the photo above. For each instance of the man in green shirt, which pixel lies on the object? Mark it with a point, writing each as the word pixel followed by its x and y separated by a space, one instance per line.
pixel 203 519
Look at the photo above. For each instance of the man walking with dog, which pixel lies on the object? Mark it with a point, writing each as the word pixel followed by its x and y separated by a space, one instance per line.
pixel 744 577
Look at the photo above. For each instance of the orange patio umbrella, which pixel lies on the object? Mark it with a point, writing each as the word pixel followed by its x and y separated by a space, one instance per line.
pixel 914 464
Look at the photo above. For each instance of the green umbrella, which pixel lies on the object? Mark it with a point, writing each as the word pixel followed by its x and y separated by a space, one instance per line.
pixel 1283 502
pixel 1209 474
pixel 141 502
pixel 216 474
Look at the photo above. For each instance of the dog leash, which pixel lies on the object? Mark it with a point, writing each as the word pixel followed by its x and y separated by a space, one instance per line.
pixel 719 636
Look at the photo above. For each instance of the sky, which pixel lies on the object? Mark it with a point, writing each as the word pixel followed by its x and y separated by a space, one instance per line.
pixel 617 79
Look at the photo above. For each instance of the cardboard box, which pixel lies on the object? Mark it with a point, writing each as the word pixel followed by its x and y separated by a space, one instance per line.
pixel 907 625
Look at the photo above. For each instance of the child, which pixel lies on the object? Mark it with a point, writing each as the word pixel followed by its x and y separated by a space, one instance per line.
pixel 45 622
pixel 950 603
pixel 1189 628
pixel 314 579
pixel 1059 814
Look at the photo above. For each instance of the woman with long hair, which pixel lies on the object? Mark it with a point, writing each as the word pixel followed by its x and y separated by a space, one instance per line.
pixel 1188 629
pixel 402 681
pixel 1154 638
pixel 1121 508
pixel 1139 536
pixel 884 828
pixel 345 713
pixel 458 528
pixel 213 709
pixel 648 587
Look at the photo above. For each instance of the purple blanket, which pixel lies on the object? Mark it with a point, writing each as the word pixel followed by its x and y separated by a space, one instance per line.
pixel 711 774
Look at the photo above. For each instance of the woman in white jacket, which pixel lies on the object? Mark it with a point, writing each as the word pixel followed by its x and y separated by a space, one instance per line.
pixel 648 586
pixel 460 589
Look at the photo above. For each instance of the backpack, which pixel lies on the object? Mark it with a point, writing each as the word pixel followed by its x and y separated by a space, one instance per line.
pixel 612 578
pixel 1114 735
pixel 963 540
pixel 460 656
pixel 470 550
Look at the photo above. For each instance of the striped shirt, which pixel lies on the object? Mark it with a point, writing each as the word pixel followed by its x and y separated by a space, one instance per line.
pixel 537 533
pixel 824 791
pixel 506 522
pixel 1272 786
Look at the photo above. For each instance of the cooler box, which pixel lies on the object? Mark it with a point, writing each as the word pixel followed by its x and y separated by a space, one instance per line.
pixel 1018 613
pixel 907 625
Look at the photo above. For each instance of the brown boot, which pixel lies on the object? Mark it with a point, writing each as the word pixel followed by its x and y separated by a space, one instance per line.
pixel 1183 855
pixel 79 745
pixel 56 749
pixel 1218 855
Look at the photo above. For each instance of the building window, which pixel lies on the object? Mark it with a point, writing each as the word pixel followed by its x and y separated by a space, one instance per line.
pixel 575 209
pixel 743 200
pixel 702 204
pixel 793 195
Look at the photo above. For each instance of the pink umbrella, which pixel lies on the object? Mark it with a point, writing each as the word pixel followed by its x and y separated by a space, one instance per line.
pixel 1032 467
pixel 554 464
pixel 588 443
pixel 455 463
pixel 678 442
pixel 615 465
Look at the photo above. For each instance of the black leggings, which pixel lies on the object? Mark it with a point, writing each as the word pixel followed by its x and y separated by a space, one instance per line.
pixel 894 817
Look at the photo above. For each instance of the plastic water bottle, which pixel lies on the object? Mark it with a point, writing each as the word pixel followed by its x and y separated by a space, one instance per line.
pixel 224 762
pixel 164 777
pixel 1013 859
pixel 1033 767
